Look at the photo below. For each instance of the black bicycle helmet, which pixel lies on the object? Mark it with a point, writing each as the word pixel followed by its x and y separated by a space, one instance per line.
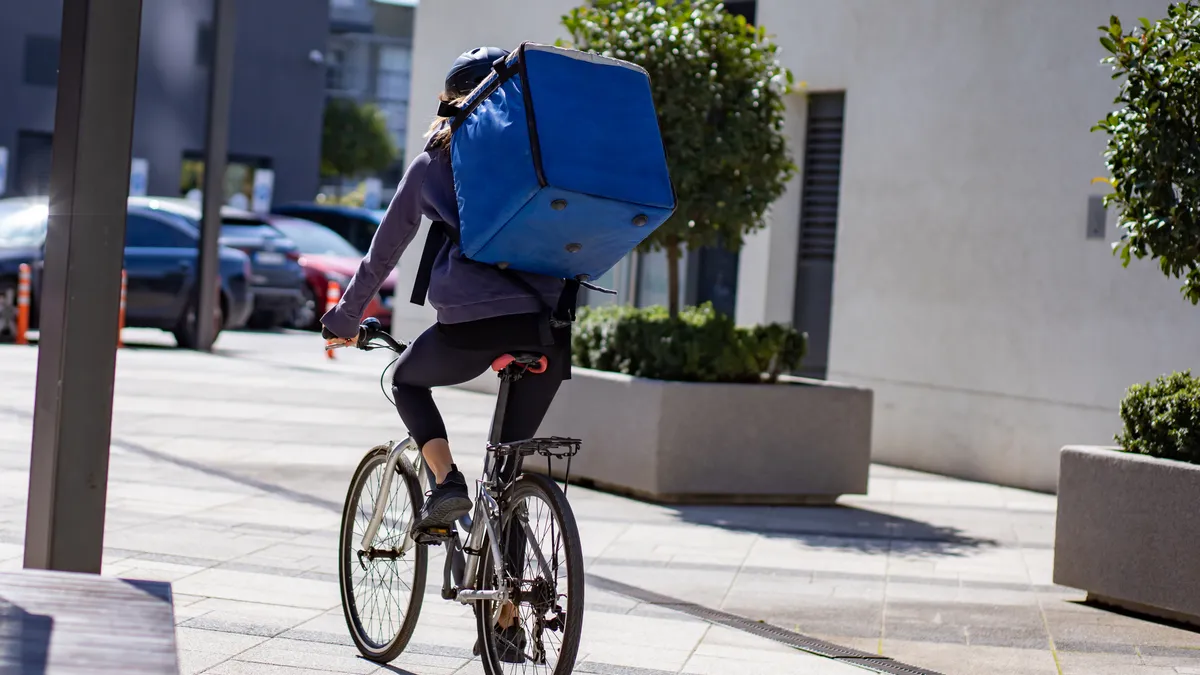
pixel 471 68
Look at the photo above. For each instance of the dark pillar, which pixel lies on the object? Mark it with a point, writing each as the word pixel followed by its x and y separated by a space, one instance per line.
pixel 85 244
pixel 216 151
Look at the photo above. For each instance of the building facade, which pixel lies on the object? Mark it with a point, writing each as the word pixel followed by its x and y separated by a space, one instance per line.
pixel 942 242
pixel 277 93
pixel 369 60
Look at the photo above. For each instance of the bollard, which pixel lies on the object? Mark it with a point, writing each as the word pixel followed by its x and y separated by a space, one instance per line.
pixel 121 311
pixel 23 286
pixel 333 295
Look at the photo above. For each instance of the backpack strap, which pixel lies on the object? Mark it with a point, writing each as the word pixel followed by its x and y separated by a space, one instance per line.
pixel 558 316
pixel 433 244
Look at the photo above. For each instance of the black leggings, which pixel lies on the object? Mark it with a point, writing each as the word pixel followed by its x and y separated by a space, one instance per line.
pixel 430 361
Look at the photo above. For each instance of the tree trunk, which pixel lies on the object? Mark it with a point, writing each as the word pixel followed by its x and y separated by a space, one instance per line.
pixel 673 277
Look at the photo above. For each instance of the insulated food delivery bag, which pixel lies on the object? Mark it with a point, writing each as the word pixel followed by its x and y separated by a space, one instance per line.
pixel 559 167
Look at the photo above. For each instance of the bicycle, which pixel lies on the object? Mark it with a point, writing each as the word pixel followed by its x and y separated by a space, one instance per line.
pixel 495 564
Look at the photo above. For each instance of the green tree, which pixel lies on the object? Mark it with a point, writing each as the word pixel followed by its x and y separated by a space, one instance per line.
pixel 355 139
pixel 1153 151
pixel 719 91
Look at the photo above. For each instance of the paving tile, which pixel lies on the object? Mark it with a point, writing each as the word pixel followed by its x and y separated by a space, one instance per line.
pixel 314 655
pixel 264 588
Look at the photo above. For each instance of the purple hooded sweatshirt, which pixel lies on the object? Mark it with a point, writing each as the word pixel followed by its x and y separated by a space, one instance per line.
pixel 460 290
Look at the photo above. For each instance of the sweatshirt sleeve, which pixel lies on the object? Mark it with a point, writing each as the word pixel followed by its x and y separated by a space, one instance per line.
pixel 396 231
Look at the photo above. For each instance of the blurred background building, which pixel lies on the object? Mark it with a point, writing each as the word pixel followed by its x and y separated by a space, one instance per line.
pixel 289 56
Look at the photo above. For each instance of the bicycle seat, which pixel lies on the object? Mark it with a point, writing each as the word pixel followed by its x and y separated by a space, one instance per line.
pixel 530 362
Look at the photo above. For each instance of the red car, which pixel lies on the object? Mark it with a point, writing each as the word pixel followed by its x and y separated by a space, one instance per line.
pixel 326 256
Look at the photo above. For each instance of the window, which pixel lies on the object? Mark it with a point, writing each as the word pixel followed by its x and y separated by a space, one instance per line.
pixel 746 8
pixel 392 81
pixel 316 239
pixel 241 229
pixel 204 45
pixel 347 62
pixel 34 150
pixel 146 232
pixel 41 60
pixel 818 226
pixel 395 68
pixel 22 225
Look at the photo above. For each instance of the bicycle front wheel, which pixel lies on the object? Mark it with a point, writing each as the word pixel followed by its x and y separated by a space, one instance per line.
pixel 382 588
pixel 538 630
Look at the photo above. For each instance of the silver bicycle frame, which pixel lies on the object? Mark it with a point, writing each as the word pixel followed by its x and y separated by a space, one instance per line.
pixel 487 512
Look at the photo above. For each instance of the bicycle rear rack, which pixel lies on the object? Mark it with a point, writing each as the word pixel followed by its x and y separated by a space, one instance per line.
pixel 555 446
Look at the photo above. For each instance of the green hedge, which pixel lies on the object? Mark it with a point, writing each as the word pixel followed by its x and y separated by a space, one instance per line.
pixel 1162 418
pixel 700 345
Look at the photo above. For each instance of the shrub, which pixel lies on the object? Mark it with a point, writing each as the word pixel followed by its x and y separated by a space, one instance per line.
pixel 698 345
pixel 1162 418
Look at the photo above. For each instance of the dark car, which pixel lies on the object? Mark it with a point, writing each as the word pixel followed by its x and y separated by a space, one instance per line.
pixel 160 264
pixel 356 225
pixel 278 280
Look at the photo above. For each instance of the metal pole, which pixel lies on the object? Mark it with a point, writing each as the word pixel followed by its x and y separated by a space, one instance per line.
pixel 216 150
pixel 81 284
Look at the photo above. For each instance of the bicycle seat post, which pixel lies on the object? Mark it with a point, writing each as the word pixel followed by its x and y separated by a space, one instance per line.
pixel 506 380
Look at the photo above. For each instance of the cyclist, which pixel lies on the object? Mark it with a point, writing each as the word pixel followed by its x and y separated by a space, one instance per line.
pixel 482 311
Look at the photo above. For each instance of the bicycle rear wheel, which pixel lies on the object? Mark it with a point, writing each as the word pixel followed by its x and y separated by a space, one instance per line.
pixel 381 594
pixel 544 575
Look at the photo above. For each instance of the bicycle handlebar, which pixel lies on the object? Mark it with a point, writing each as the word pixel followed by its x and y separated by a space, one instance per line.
pixel 371 329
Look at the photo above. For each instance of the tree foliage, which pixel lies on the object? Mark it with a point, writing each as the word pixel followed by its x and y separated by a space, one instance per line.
pixel 1154 141
pixel 719 91
pixel 355 139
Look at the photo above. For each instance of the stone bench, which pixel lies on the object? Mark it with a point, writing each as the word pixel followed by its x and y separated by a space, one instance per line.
pixel 58 623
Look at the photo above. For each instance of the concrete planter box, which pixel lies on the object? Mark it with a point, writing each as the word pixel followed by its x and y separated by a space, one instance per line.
pixel 1128 531
pixel 796 442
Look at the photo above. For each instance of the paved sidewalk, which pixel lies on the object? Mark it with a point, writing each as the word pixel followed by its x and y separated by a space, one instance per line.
pixel 229 471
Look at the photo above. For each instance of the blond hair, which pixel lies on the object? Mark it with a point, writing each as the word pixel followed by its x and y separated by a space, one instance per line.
pixel 440 131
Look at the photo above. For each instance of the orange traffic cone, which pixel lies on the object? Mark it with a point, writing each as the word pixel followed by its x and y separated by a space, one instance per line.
pixel 121 311
pixel 23 283
pixel 333 295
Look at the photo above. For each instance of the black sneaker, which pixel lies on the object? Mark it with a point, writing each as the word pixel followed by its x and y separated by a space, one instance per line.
pixel 445 503
pixel 510 644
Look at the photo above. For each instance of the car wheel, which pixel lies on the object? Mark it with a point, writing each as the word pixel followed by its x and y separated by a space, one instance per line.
pixel 8 311
pixel 305 316
pixel 185 332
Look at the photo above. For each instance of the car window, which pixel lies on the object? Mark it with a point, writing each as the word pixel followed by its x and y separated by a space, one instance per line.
pixel 317 240
pixel 249 230
pixel 22 226
pixel 146 232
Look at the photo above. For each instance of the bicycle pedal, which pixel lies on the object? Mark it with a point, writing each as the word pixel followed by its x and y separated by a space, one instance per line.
pixel 433 536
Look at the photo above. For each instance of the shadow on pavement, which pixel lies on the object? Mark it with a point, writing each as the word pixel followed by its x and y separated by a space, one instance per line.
pixel 838 527
pixel 24 639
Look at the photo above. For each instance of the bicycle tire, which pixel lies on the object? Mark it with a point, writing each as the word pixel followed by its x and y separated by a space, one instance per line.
pixel 547 491
pixel 380 651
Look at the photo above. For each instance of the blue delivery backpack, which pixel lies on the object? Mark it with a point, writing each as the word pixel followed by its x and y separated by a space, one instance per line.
pixel 559 167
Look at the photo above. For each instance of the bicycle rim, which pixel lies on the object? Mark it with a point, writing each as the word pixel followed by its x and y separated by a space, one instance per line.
pixel 381 598
pixel 548 587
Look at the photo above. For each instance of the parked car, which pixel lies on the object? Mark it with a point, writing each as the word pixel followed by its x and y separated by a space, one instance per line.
pixel 278 280
pixel 356 225
pixel 161 250
pixel 326 256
